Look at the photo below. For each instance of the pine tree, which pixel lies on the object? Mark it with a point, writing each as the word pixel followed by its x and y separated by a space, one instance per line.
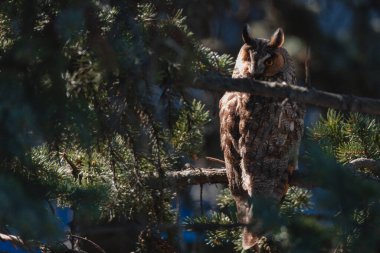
pixel 93 102
pixel 341 215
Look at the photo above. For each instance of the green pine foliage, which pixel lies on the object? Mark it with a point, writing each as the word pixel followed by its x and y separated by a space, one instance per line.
pixel 221 224
pixel 340 216
pixel 296 201
pixel 92 101
pixel 188 129
pixel 345 138
pixel 348 137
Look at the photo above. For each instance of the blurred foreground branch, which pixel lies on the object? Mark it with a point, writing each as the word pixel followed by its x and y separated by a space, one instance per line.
pixel 364 163
pixel 297 93
pixel 13 239
pixel 194 176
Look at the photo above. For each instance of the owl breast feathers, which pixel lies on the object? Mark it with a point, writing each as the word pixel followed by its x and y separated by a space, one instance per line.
pixel 260 136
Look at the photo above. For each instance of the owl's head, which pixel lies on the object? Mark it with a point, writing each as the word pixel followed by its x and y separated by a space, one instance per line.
pixel 262 58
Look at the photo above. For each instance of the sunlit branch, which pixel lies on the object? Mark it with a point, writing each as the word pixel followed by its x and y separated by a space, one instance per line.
pixel 300 94
pixel 195 176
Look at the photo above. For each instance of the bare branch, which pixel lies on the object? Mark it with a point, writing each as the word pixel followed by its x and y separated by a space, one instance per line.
pixel 364 163
pixel 191 176
pixel 96 246
pixel 296 93
pixel 15 240
pixel 301 179
pixel 216 160
pixel 195 176
pixel 361 163
pixel 75 170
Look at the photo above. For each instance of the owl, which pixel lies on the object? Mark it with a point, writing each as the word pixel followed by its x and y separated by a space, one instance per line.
pixel 260 136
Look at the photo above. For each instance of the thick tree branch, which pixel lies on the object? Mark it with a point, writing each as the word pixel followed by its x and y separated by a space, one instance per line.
pixel 297 93
pixel 186 177
pixel 196 176
pixel 364 163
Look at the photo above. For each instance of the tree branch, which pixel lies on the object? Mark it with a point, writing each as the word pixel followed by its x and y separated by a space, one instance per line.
pixel 296 93
pixel 15 240
pixel 96 246
pixel 74 169
pixel 196 176
pixel 364 163
pixel 186 177
pixel 301 179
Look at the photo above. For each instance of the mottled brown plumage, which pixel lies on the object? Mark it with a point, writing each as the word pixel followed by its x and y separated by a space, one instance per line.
pixel 260 136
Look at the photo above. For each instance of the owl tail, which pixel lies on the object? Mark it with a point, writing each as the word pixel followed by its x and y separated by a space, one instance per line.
pixel 245 216
pixel 249 239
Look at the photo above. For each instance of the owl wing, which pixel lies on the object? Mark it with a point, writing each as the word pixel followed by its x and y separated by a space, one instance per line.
pixel 229 134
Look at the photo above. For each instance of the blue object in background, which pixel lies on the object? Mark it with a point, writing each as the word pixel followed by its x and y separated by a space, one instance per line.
pixel 8 247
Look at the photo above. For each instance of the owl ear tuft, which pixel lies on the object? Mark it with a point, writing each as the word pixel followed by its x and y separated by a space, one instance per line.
pixel 246 37
pixel 277 39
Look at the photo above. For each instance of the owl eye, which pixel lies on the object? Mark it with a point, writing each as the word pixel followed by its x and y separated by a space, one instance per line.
pixel 268 62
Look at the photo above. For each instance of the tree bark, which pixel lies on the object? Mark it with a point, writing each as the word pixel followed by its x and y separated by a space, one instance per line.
pixel 300 94
pixel 195 176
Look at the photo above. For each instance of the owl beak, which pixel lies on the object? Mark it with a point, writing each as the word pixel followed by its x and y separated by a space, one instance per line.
pixel 259 71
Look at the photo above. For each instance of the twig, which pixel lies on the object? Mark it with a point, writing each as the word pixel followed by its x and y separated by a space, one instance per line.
pixel 52 209
pixel 96 246
pixel 216 160
pixel 295 93
pixel 74 169
pixel 136 167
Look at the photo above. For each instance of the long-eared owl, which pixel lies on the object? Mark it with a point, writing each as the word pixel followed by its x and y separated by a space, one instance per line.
pixel 260 136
